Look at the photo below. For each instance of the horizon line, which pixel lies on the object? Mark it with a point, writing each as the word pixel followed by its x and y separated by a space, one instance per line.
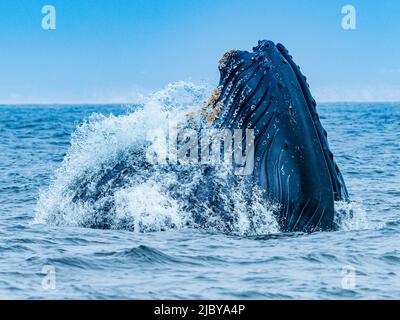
pixel 136 103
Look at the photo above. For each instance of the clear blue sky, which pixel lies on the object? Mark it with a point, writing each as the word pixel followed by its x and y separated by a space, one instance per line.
pixel 109 50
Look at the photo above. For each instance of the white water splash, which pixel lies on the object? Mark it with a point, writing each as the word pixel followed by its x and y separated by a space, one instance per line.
pixel 144 208
pixel 145 201
pixel 350 216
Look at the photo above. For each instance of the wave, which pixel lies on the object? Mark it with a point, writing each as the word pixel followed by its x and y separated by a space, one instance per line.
pixel 350 216
pixel 143 254
pixel 105 182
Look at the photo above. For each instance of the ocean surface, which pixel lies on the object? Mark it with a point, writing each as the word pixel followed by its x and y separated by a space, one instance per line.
pixel 44 256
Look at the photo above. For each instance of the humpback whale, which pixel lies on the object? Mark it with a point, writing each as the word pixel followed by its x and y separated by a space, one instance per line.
pixel 292 168
pixel 265 90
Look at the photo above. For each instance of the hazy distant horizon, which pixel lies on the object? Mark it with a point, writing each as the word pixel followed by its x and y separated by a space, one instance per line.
pixel 141 96
pixel 137 103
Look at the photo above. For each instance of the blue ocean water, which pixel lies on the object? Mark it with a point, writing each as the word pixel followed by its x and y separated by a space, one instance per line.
pixel 44 260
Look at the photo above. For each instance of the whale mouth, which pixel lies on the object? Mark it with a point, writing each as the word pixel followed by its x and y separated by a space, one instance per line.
pixel 293 184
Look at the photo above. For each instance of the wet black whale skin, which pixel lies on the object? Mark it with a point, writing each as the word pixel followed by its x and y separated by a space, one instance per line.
pixel 264 90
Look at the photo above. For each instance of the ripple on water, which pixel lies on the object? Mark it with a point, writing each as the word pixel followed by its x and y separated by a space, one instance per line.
pixel 189 263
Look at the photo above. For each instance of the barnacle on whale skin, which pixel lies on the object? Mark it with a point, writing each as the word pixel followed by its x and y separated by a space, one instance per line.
pixel 225 57
pixel 213 99
pixel 213 107
pixel 215 113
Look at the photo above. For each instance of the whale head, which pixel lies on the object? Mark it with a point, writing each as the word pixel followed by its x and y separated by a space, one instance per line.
pixel 264 90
